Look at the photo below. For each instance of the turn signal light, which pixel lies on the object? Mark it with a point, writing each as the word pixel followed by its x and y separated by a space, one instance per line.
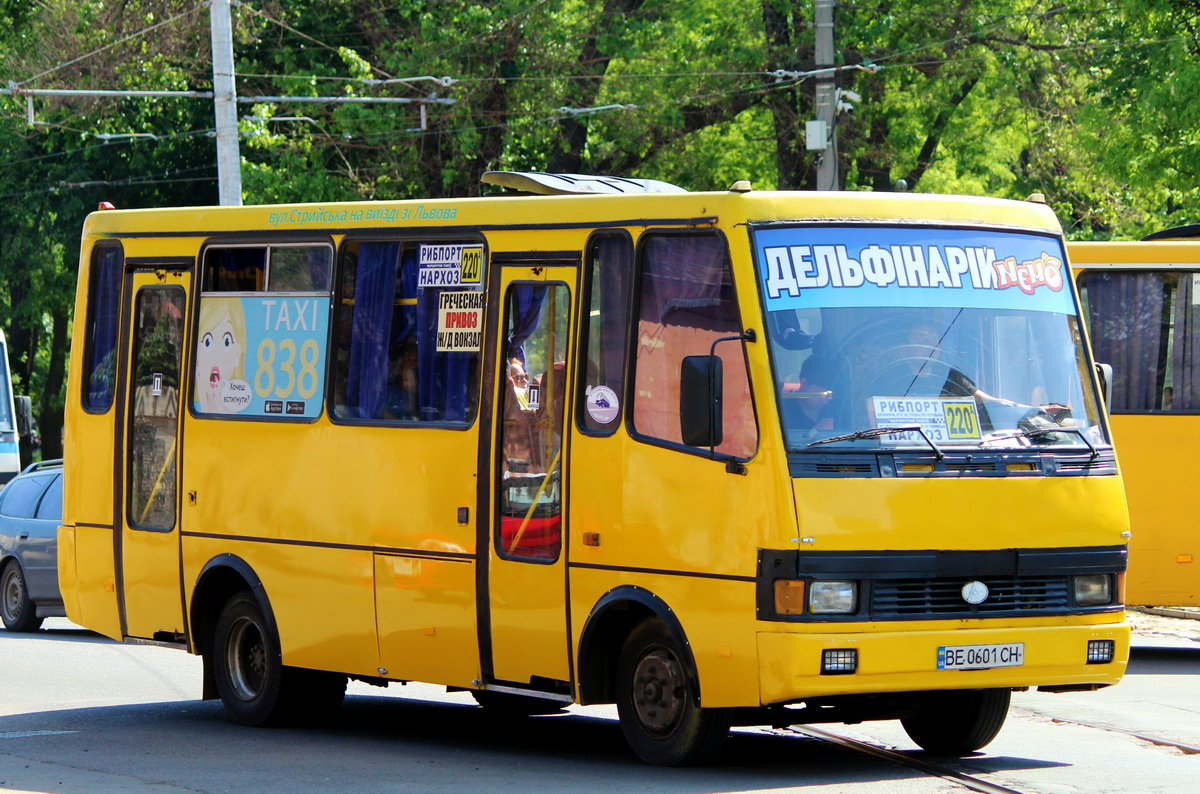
pixel 789 597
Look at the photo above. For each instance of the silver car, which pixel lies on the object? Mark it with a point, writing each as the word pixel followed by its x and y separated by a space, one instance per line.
pixel 30 512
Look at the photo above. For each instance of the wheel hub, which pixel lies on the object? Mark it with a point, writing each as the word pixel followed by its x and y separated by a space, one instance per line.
pixel 247 659
pixel 659 691
pixel 13 596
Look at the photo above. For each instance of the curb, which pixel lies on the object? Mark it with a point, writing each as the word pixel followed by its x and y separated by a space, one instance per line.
pixel 1167 612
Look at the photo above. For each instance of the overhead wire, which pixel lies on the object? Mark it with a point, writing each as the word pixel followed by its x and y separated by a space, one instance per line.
pixel 560 115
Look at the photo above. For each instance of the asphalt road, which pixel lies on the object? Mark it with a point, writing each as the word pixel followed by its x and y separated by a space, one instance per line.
pixel 79 713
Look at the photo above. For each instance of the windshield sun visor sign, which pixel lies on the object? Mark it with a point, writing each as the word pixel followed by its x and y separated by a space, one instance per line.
pixel 806 267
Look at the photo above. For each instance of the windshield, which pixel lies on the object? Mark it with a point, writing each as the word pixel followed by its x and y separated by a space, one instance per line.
pixel 970 335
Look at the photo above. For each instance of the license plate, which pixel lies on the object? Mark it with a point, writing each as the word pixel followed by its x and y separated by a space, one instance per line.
pixel 980 657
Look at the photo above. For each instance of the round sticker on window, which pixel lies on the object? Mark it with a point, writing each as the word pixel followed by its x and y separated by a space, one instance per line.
pixel 602 404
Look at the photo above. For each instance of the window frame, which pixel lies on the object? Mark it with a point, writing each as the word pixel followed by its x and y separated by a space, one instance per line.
pixel 583 355
pixel 631 382
pixel 413 238
pixel 193 339
pixel 90 337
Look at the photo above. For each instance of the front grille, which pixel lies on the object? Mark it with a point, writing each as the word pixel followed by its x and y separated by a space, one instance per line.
pixel 942 598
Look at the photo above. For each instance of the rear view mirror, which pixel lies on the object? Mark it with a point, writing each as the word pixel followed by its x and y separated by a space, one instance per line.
pixel 701 384
pixel 1105 373
pixel 24 415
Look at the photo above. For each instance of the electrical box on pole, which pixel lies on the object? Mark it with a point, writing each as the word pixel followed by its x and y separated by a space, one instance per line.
pixel 229 159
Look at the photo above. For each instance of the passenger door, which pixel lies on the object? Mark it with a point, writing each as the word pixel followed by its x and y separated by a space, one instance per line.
pixel 526 606
pixel 148 435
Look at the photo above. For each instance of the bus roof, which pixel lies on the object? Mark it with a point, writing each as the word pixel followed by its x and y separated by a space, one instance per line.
pixel 642 209
pixel 1126 253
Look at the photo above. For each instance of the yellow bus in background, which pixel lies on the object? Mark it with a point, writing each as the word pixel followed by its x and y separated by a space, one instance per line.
pixel 719 458
pixel 1142 305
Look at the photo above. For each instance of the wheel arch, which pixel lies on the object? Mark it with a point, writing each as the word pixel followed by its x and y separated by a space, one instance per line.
pixel 219 579
pixel 610 622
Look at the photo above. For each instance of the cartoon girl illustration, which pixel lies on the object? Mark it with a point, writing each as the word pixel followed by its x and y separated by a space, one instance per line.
pixel 220 375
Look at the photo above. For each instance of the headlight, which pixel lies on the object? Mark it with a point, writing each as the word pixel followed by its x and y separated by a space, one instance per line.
pixel 832 598
pixel 1093 589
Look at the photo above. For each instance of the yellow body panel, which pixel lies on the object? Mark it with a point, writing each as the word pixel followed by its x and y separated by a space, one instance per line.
pixel 960 513
pixel 1157 452
pixel 426 619
pixel 1164 553
pixel 357 534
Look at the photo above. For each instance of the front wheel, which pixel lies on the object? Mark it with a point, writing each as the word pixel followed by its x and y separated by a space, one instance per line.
pixel 957 723
pixel 16 608
pixel 253 683
pixel 657 704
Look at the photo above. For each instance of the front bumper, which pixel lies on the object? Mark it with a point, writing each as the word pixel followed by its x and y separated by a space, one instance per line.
pixel 906 660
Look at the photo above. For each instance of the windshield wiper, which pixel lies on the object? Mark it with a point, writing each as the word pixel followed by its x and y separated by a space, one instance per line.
pixel 1040 431
pixel 875 432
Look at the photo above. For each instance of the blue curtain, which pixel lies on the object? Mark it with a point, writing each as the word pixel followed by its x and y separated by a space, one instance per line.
pixel 374 298
pixel 383 330
pixel 443 379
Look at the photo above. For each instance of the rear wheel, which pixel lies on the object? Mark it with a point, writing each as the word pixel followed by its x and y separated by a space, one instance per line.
pixel 253 683
pixel 957 723
pixel 16 610
pixel 657 703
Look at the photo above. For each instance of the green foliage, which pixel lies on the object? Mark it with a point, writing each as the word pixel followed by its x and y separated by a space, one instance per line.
pixel 1089 103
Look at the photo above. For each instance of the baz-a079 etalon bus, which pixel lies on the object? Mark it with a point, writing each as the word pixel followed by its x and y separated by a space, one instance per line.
pixel 719 458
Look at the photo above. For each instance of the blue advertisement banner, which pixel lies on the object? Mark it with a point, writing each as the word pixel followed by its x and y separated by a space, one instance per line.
pixel 261 356
pixel 848 266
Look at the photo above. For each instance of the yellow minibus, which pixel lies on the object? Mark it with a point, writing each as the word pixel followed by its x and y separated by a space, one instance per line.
pixel 1142 306
pixel 719 458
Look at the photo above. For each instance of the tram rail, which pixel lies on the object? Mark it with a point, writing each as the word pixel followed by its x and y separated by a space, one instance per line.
pixel 969 781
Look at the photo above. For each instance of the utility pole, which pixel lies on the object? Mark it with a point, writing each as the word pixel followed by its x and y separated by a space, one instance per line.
pixel 826 99
pixel 229 159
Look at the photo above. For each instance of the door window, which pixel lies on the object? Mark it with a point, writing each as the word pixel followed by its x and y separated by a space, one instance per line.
pixel 154 407
pixel 534 376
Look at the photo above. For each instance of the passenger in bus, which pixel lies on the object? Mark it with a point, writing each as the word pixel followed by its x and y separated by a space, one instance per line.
pixel 813 394
pixel 401 402
pixel 518 382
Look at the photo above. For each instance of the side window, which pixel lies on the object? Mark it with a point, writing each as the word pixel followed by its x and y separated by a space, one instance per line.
pixel 50 508
pixel 608 276
pixel 103 322
pixel 263 330
pixel 21 497
pixel 409 331
pixel 686 302
pixel 1146 324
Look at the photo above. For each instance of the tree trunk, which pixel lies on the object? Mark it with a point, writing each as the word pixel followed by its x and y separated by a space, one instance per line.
pixel 50 407
pixel 567 158
pixel 788 106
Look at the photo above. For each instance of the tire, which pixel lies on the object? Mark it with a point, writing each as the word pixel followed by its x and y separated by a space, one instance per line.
pixel 16 610
pixel 255 687
pixel 958 723
pixel 657 703
pixel 511 705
